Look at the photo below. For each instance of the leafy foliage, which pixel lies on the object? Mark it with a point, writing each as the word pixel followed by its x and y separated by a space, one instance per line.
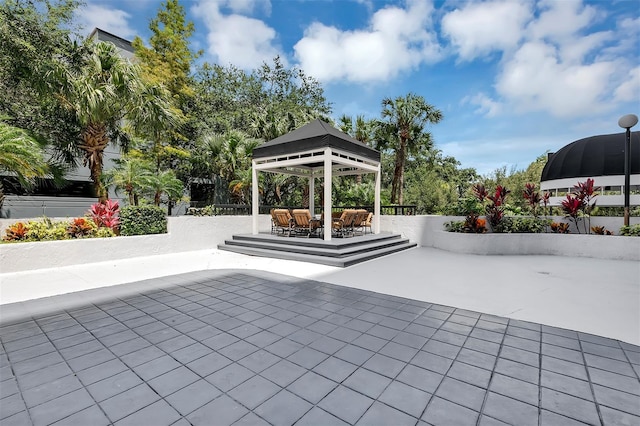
pixel 559 227
pixel 601 230
pixel 106 215
pixel 578 204
pixel 630 231
pixel 16 232
pixel 142 220
pixel 47 230
pixel 531 225
pixel 81 227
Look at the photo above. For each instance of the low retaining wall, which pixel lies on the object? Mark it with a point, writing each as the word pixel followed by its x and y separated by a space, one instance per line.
pixel 189 233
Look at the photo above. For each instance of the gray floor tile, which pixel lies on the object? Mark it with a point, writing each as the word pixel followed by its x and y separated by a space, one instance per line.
pixel 461 393
pixel 128 402
pixel 510 411
pixel 335 369
pixel 312 387
pixel 566 368
pixel 384 365
pixel 191 353
pixel 566 384
pixel 482 346
pixel 225 410
pixel 440 412
pixel 614 381
pixel 158 414
pixel 39 377
pixel 490 421
pixel 173 381
pixel 617 400
pixel 548 418
pixel 383 415
pixel 561 341
pixel 521 343
pixel 367 382
pixel 616 417
pixel 59 408
pixel 518 370
pixel 283 373
pixel 11 405
pixel 193 396
pixel 89 416
pixel 48 391
pixel 569 406
pixel 405 398
pixel 254 391
pixel 238 350
pixel 369 342
pixel 516 389
pixel 398 351
pixel 432 362
pixel 259 361
pixel 208 364
pixel 609 364
pixel 470 374
pixel 307 357
pixel 317 416
pixel 519 355
pixel 440 348
pixel 230 376
pixel 346 404
pixel 420 378
pixel 141 356
pixel 284 408
pixel 156 367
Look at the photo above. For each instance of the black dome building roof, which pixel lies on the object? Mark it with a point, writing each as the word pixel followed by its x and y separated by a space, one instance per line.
pixel 594 156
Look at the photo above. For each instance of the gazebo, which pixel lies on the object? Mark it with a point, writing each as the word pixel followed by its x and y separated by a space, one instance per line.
pixel 316 150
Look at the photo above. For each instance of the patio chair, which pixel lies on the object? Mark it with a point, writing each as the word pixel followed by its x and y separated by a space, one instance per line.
pixel 367 223
pixel 283 221
pixel 343 226
pixel 358 222
pixel 305 224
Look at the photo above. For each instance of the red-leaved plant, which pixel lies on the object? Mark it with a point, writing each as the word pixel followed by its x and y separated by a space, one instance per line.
pixel 495 210
pixel 532 196
pixel 79 228
pixel 560 227
pixel 106 215
pixel 579 203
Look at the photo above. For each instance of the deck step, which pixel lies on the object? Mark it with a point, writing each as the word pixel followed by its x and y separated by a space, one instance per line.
pixel 340 253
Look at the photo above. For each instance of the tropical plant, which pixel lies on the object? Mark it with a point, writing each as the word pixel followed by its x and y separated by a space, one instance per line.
pixel 403 131
pixel 16 232
pixel 559 227
pixel 20 155
pixel 533 198
pixel 630 231
pixel 81 227
pixel 132 175
pixel 142 220
pixel 165 183
pixel 101 93
pixel 106 214
pixel 586 192
pixel 495 210
pixel 601 230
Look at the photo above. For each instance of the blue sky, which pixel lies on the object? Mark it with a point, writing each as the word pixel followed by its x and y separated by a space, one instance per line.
pixel 514 78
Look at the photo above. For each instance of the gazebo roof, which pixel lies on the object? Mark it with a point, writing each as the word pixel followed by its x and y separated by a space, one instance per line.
pixel 316 134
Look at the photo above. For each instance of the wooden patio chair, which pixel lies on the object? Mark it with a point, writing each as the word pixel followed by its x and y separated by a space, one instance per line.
pixel 305 224
pixel 343 226
pixel 283 221
pixel 358 222
pixel 367 223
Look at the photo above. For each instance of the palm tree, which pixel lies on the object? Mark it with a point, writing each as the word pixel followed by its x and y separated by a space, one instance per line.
pixel 362 131
pixel 133 175
pixel 20 155
pixel 165 182
pixel 404 123
pixel 104 91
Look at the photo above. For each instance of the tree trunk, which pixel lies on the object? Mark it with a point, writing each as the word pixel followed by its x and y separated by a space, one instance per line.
pixel 398 173
pixel 94 141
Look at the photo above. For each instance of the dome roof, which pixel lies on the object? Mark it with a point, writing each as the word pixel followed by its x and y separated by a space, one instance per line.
pixel 594 156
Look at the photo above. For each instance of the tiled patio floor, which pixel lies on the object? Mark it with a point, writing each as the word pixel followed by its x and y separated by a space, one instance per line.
pixel 214 348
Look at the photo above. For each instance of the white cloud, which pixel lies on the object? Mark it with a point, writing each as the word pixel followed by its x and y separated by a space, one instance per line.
pixel 486 105
pixel 556 64
pixel 478 29
pixel 234 38
pixel 397 39
pixel 111 20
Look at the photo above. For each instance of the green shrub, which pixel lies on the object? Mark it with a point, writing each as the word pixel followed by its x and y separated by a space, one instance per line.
pixel 210 210
pixel 142 220
pixel 530 225
pixel 455 226
pixel 46 230
pixel 104 233
pixel 630 231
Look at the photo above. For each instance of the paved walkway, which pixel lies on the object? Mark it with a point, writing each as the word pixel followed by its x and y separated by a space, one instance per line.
pixel 235 347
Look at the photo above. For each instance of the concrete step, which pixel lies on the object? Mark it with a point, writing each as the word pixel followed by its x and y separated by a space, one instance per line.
pixel 334 251
pixel 337 252
pixel 340 262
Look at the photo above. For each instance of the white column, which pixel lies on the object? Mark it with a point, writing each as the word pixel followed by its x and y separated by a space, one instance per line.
pixel 376 206
pixel 327 194
pixel 312 192
pixel 255 199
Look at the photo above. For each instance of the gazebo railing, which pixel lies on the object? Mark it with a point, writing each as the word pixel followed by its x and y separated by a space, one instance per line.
pixel 245 209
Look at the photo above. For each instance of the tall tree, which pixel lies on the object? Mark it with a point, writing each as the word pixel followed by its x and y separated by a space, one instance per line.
pixel 404 131
pixel 33 35
pixel 106 90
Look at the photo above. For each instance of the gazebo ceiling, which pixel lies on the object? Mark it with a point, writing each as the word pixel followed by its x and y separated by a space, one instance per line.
pixel 311 137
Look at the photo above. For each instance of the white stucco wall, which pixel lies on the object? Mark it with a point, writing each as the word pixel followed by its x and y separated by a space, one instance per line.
pixel 190 233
